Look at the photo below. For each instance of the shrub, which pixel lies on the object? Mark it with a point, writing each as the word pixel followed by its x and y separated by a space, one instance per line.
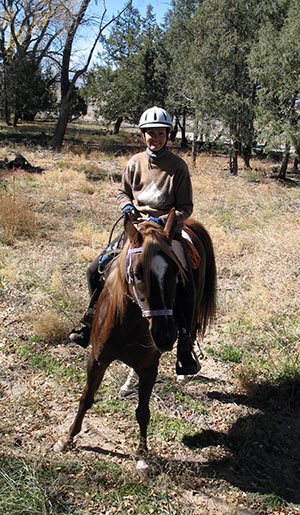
pixel 49 327
pixel 16 217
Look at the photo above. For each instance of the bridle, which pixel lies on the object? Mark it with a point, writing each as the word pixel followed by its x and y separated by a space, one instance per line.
pixel 147 313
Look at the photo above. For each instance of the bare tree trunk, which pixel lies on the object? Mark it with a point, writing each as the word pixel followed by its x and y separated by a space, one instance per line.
pixel 194 151
pixel 194 142
pixel 233 161
pixel 285 162
pixel 297 158
pixel 67 84
pixel 62 122
pixel 6 108
pixel 182 127
pixel 246 155
pixel 296 164
pixel 117 125
pixel 174 129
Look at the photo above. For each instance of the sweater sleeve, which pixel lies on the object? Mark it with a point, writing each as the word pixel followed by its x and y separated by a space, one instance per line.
pixel 183 195
pixel 125 196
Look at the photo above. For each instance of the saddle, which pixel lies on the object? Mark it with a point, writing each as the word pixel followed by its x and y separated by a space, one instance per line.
pixel 114 248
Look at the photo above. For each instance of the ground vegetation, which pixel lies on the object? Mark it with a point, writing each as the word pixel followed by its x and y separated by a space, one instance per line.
pixel 225 441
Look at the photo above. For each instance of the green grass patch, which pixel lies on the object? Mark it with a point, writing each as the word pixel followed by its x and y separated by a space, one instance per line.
pixel 230 353
pixel 49 365
pixel 70 487
pixel 187 402
pixel 168 428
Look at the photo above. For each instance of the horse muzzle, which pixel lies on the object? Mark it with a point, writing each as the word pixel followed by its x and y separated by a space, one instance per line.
pixel 164 332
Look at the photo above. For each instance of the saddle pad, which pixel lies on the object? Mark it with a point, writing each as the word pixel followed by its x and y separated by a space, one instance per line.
pixel 191 250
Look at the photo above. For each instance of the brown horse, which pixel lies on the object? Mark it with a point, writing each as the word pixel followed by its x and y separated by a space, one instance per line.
pixel 134 320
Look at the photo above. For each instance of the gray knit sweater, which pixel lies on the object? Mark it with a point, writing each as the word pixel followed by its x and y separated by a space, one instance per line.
pixel 155 184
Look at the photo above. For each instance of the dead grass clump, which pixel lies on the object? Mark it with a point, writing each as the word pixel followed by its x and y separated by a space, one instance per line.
pixel 83 232
pixel 57 280
pixel 87 254
pixel 49 327
pixel 123 160
pixel 16 217
pixel 99 243
pixel 68 177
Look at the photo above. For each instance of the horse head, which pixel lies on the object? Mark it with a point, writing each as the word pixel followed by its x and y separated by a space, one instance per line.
pixel 152 271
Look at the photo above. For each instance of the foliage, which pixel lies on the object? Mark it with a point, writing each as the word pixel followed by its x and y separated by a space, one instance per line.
pixel 245 453
pixel 275 65
pixel 179 43
pixel 79 106
pixel 222 88
pixel 134 74
pixel 29 35
pixel 28 90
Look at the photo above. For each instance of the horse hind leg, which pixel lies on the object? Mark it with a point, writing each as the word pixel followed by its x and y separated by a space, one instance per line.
pixel 129 386
pixel 95 373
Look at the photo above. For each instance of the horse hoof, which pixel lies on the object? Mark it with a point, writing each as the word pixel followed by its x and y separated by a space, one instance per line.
pixel 60 446
pixel 125 391
pixel 142 468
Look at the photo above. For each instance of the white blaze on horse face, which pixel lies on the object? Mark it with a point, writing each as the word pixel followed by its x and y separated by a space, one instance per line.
pixel 159 267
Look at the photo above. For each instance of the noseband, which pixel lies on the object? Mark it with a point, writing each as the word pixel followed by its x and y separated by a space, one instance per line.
pixel 148 313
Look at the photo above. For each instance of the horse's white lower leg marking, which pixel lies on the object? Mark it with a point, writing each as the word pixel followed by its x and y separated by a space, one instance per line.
pixel 142 468
pixel 60 446
pixel 130 383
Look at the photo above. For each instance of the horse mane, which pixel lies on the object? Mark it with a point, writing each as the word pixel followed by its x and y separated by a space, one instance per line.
pixel 153 239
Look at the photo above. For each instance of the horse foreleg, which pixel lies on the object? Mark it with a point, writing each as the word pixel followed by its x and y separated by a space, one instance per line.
pixel 146 381
pixel 95 373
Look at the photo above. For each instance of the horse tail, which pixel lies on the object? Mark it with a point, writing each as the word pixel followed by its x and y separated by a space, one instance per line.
pixel 206 291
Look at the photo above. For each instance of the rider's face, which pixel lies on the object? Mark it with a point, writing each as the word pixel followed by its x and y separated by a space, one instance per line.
pixel 155 138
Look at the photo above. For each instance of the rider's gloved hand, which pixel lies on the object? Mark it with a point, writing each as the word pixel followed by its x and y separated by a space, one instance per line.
pixel 156 220
pixel 130 210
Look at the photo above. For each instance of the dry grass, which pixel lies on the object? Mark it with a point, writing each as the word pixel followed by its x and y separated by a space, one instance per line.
pixel 49 327
pixel 254 224
pixel 16 217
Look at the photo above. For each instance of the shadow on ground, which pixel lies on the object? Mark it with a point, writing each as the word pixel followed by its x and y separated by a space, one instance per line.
pixel 264 448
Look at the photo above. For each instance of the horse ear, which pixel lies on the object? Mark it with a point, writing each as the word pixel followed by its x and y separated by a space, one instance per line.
pixel 170 225
pixel 133 234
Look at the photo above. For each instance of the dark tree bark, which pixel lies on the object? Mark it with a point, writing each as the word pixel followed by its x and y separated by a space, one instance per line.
pixel 182 127
pixel 117 125
pixel 285 162
pixel 67 85
pixel 296 164
pixel 233 161
pixel 246 155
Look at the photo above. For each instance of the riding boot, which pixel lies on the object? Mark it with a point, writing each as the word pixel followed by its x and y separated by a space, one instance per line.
pixel 187 362
pixel 82 336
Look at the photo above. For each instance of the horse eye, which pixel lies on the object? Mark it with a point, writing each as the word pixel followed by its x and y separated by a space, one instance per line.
pixel 138 274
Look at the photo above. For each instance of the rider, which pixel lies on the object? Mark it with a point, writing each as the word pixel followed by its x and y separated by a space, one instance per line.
pixel 153 182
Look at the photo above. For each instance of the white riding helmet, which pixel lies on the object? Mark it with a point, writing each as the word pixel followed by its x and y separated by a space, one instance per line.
pixel 155 117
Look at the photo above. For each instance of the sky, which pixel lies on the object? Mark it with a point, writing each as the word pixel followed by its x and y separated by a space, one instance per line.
pixel 85 36
pixel 159 7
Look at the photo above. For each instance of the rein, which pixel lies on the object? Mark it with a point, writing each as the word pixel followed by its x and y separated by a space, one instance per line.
pixel 147 313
